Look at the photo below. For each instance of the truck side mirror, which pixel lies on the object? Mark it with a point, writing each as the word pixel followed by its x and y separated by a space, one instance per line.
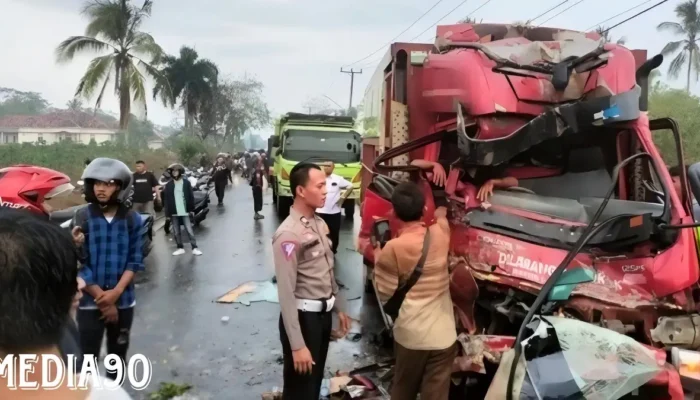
pixel 381 233
pixel 276 141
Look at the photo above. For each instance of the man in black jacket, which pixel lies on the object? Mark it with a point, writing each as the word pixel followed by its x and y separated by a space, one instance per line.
pixel 179 206
pixel 221 174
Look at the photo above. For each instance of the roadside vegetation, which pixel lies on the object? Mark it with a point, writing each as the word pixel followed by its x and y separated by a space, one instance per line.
pixel 130 65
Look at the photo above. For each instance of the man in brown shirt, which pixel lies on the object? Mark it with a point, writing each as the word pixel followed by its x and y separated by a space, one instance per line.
pixel 424 332
pixel 306 286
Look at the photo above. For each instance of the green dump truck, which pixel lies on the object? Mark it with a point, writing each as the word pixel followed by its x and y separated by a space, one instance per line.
pixel 314 138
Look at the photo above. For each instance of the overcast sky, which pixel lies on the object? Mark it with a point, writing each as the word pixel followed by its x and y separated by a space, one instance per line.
pixel 295 47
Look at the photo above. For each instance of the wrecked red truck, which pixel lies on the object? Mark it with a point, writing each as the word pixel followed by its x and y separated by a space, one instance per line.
pixel 594 251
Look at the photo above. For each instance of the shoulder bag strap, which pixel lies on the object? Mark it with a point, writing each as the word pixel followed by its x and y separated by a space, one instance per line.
pixel 393 305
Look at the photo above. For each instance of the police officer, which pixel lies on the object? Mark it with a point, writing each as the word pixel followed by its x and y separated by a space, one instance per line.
pixel 306 286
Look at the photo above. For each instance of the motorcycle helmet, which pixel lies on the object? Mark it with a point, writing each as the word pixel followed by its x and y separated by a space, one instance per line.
pixel 27 187
pixel 176 166
pixel 108 170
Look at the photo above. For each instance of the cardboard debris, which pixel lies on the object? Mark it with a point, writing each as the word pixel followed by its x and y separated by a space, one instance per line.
pixel 233 295
pixel 338 382
pixel 250 292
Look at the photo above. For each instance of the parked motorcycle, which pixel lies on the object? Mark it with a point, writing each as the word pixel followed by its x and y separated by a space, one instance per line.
pixel 201 189
pixel 28 187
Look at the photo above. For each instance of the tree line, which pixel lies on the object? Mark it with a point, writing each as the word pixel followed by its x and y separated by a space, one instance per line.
pixel 215 109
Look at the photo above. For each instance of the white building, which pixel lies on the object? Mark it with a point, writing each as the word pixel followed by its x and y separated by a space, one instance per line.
pixel 75 126
pixel 157 141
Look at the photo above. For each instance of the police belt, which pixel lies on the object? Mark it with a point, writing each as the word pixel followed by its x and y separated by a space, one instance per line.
pixel 316 305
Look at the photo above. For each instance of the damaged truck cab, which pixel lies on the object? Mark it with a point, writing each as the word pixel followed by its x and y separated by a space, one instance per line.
pixel 594 230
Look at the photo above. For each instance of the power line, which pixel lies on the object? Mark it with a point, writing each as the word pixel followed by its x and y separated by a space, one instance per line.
pixel 447 15
pixel 635 15
pixel 548 11
pixel 617 15
pixel 397 36
pixel 561 12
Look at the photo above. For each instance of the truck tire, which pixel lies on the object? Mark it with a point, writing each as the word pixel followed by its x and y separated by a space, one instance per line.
pixel 283 206
pixel 274 191
pixel 349 208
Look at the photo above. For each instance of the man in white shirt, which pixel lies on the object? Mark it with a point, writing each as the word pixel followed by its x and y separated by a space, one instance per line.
pixel 338 190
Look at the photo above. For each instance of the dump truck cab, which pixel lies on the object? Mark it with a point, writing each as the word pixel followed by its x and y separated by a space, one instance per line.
pixel 318 139
pixel 594 231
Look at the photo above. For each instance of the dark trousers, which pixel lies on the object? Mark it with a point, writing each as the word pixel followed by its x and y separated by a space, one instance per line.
pixel 316 330
pixel 257 198
pixel 427 372
pixel 176 221
pixel 92 329
pixel 219 189
pixel 333 221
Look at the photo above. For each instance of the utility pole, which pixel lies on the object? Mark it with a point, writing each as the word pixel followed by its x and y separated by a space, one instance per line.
pixel 352 73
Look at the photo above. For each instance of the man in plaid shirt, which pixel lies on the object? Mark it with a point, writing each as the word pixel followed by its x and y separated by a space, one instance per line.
pixel 112 256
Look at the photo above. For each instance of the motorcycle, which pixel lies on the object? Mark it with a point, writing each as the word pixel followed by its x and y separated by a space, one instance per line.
pixel 28 187
pixel 201 189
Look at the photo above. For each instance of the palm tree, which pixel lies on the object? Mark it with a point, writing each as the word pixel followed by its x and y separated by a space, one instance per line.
pixel 190 78
pixel 605 34
pixel 688 27
pixel 114 28
pixel 75 104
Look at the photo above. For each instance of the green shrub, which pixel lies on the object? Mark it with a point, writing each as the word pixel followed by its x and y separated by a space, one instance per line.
pixel 69 157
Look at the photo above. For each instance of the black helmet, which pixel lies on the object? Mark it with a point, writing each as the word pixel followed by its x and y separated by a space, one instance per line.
pixel 176 166
pixel 108 170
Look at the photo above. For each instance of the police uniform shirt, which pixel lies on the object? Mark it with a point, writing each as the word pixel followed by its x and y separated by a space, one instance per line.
pixel 303 267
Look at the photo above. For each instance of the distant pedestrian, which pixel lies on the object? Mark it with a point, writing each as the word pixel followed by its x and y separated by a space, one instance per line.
pixel 145 185
pixel 257 177
pixel 338 189
pixel 221 175
pixel 108 225
pixel 179 208
pixel 306 285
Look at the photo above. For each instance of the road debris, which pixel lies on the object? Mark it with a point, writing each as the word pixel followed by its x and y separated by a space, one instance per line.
pixel 250 292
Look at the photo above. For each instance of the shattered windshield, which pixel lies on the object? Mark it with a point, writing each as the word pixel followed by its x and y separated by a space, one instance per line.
pixel 567 358
pixel 565 182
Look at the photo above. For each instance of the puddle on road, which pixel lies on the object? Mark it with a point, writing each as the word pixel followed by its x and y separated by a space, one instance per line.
pixel 250 292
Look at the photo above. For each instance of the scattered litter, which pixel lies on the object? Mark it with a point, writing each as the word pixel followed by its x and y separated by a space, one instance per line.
pixel 275 394
pixel 337 383
pixel 251 292
pixel 354 337
pixel 233 295
pixel 355 391
pixel 325 388
pixel 173 348
pixel 224 319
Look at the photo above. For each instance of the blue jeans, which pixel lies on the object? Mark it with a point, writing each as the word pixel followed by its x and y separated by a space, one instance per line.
pixel 175 223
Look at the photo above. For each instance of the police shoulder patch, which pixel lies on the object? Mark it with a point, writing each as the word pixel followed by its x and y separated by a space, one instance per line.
pixel 288 249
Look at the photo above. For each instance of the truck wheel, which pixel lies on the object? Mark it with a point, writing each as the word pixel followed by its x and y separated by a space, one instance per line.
pixel 349 207
pixel 274 192
pixel 283 205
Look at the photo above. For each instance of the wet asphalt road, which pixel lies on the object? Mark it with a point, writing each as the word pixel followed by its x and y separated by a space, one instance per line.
pixel 178 325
